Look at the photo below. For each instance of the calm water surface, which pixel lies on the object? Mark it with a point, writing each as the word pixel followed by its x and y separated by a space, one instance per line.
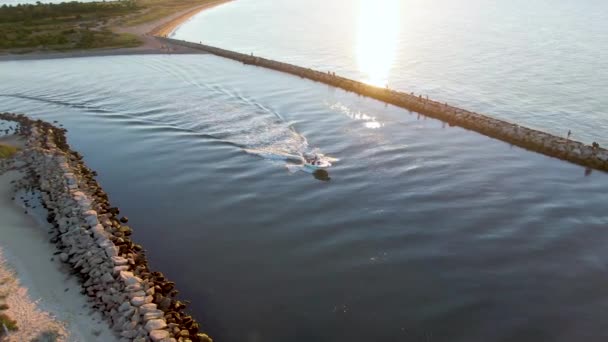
pixel 424 232
pixel 540 63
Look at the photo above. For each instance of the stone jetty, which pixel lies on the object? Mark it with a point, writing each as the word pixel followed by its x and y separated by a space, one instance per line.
pixel 590 156
pixel 138 303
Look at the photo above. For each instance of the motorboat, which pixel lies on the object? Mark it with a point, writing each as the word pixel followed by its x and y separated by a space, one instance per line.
pixel 316 164
pixel 316 161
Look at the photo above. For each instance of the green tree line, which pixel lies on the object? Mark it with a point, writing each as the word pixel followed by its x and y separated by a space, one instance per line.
pixel 77 10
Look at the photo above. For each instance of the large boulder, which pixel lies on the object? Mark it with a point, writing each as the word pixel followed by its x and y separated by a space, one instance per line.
pixel 155 324
pixel 159 335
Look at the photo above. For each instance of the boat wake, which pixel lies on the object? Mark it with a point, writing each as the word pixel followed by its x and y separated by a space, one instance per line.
pixel 295 162
pixel 256 128
pixel 217 113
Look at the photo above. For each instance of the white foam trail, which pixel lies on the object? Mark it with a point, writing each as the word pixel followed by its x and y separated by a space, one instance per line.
pixel 276 155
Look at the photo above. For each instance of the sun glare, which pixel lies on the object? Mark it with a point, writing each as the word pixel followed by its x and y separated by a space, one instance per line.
pixel 378 32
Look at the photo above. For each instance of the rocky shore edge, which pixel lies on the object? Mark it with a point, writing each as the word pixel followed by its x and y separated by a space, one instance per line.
pixel 139 304
pixel 590 156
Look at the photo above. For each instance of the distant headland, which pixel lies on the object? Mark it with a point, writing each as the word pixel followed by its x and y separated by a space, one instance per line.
pixel 78 29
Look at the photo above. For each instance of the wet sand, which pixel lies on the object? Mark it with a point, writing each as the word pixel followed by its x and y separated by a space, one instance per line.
pixel 165 29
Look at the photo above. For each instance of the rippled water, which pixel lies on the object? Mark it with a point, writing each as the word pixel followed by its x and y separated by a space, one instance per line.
pixel 540 63
pixel 424 232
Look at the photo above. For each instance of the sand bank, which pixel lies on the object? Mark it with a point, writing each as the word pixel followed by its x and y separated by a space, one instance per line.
pixel 165 29
pixel 22 319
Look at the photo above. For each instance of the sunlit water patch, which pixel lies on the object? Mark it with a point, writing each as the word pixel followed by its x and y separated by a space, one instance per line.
pixel 543 64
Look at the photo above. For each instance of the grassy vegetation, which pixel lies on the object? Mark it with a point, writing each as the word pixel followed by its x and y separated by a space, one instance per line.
pixel 8 323
pixel 65 26
pixel 7 151
pixel 77 25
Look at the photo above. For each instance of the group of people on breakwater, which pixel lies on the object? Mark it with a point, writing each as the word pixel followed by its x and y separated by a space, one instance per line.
pixel 590 156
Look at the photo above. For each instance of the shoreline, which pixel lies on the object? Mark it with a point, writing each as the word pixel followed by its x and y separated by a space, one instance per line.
pixel 147 33
pixel 43 297
pixel 95 53
pixel 92 242
pixel 167 28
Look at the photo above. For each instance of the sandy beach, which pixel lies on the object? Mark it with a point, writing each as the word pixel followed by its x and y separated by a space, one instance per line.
pixel 43 296
pixel 146 32
pixel 165 29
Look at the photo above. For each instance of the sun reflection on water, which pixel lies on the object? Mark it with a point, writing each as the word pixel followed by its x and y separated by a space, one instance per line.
pixel 377 37
pixel 368 121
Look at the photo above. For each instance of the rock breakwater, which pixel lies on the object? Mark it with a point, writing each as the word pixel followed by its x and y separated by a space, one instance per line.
pixel 590 156
pixel 138 303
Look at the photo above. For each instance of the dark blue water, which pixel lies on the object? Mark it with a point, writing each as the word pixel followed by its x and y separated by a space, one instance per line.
pixel 424 232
